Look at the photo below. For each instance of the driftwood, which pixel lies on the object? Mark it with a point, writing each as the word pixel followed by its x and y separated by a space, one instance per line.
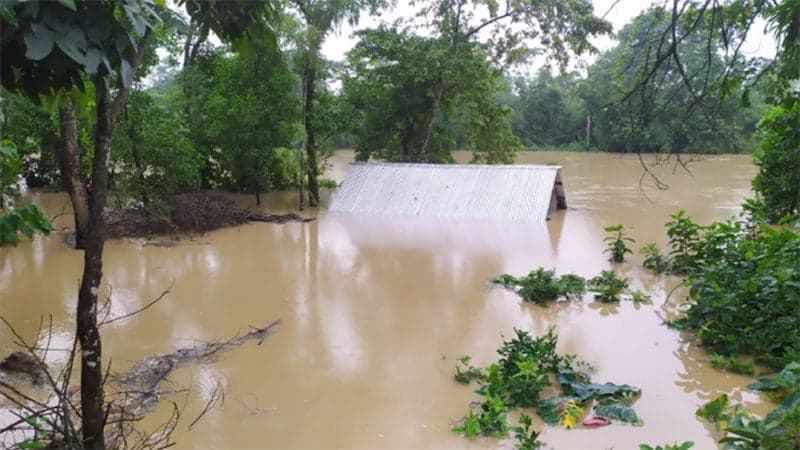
pixel 142 381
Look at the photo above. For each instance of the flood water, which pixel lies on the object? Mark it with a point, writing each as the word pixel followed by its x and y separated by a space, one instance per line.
pixel 376 310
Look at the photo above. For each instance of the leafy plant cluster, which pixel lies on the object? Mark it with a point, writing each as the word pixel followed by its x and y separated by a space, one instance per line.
pixel 743 284
pixel 530 374
pixel 684 446
pixel 26 220
pixel 542 286
pixel 616 243
pixel 741 430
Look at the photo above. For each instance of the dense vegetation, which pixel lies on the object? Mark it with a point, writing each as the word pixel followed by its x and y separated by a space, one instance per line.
pixel 528 368
pixel 743 281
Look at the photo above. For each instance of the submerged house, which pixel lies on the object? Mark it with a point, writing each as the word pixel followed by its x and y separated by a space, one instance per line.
pixel 505 192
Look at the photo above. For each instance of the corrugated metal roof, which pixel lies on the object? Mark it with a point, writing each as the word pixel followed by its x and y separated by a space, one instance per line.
pixel 509 192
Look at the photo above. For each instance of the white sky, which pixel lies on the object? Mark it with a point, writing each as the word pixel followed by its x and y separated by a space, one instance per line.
pixel 339 43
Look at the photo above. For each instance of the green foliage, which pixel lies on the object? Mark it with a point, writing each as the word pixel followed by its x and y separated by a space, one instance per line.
pixel 616 243
pixel 543 286
pixel 743 280
pixel 526 437
pixel 33 128
pixel 518 379
pixel 780 429
pixel 674 110
pixel 491 420
pixel 640 297
pixel 393 89
pixel 248 120
pixel 26 220
pixel 684 446
pixel 684 239
pixel 785 383
pixel 777 183
pixel 153 157
pixel 608 287
pixel 744 299
pixel 653 259
pixel 732 364
pixel 50 46
pixel 469 372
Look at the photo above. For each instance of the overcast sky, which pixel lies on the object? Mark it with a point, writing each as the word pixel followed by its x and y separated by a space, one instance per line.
pixel 618 13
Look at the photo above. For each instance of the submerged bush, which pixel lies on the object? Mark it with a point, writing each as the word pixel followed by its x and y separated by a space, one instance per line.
pixel 526 369
pixel 744 287
pixel 542 286
pixel 616 243
pixel 608 287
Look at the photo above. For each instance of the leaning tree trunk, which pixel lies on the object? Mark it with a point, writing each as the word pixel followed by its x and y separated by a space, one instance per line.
pixel 71 173
pixel 92 414
pixel 311 150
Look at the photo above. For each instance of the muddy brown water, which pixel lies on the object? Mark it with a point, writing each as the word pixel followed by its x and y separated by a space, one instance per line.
pixel 376 310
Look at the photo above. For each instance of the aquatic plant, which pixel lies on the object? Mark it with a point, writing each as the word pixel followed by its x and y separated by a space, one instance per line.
pixel 616 243
pixel 608 287
pixel 780 429
pixel 525 369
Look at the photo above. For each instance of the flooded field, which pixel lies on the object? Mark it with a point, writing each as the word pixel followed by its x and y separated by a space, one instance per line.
pixel 376 310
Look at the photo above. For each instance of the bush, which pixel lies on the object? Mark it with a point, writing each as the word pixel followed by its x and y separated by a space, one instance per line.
pixel 778 158
pixel 744 296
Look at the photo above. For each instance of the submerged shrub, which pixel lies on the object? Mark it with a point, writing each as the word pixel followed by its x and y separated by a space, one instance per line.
pixel 526 368
pixel 653 259
pixel 608 287
pixel 616 243
pixel 542 286
pixel 744 299
pixel 744 287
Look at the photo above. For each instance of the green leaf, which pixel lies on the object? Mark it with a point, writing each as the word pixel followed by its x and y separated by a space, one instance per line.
pixel 617 411
pixel 38 45
pixel 70 4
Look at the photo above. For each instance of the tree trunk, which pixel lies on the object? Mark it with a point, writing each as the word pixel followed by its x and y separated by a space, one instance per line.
pixel 437 103
pixel 311 151
pixel 300 179
pixel 589 129
pixel 92 413
pixel 71 173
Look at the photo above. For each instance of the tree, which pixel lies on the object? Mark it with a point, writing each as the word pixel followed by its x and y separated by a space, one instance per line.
pixel 319 17
pixel 153 156
pixel 52 48
pixel 452 77
pixel 251 114
pixel 392 86
pixel 725 26
pixel 666 115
